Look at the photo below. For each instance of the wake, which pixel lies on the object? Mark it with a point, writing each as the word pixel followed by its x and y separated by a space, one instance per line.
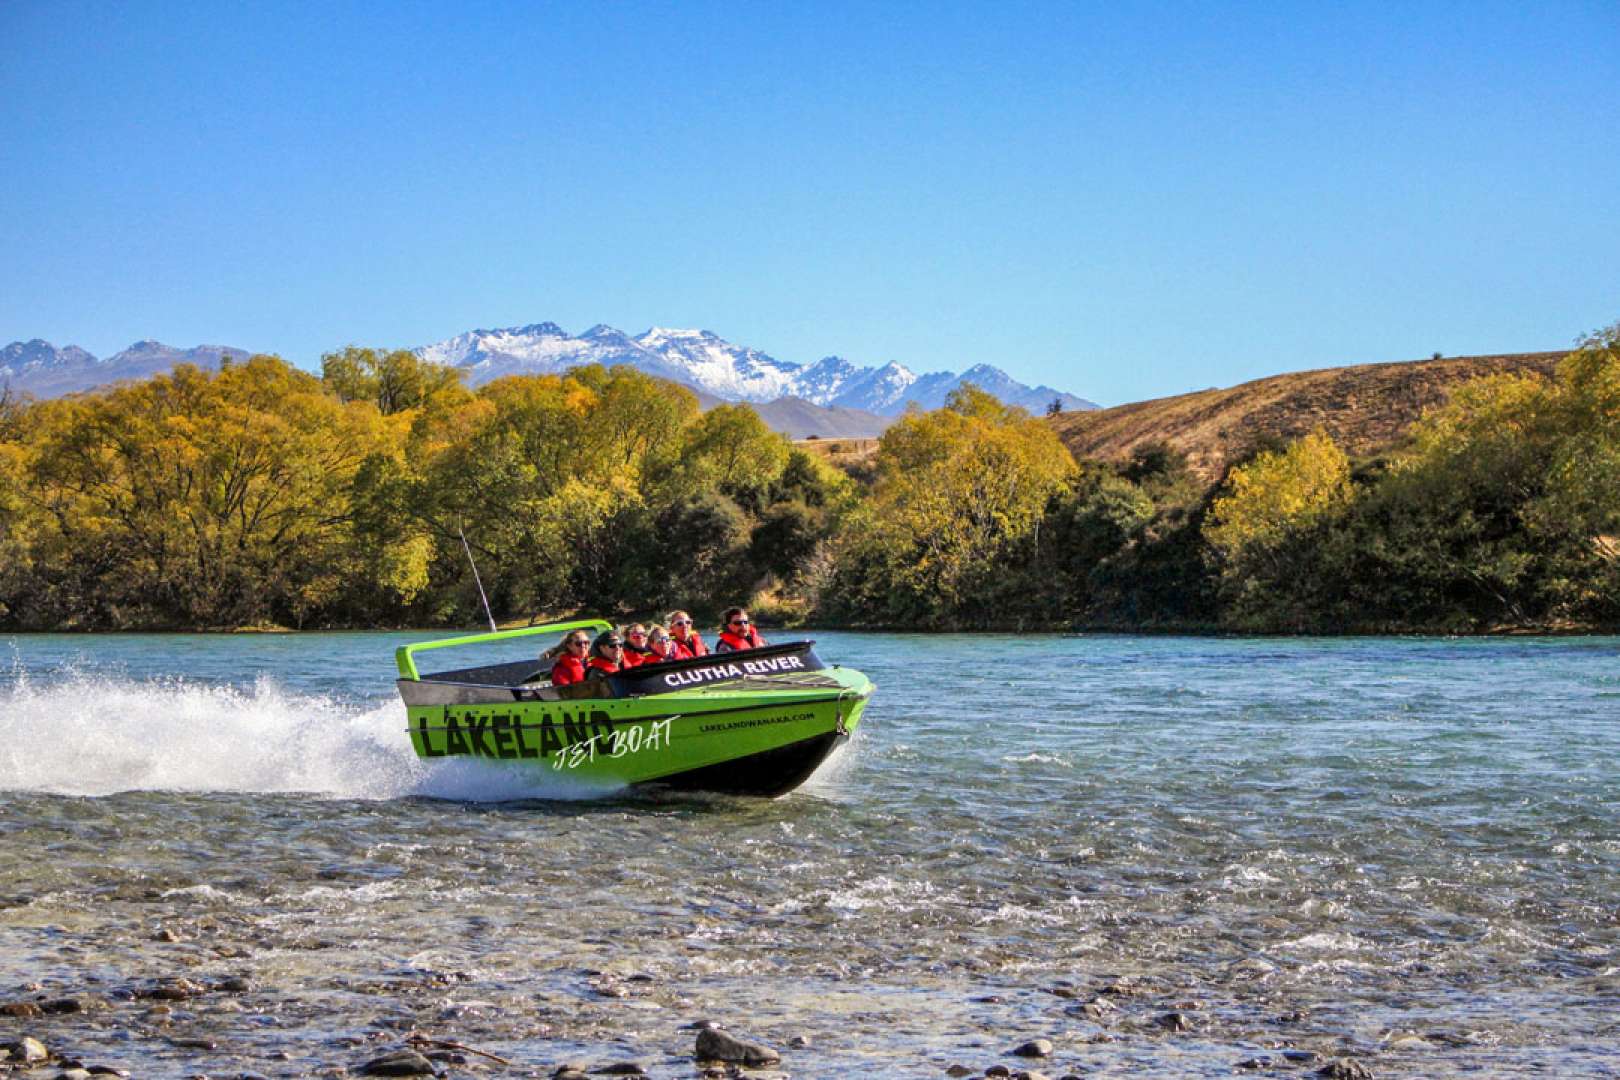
pixel 86 734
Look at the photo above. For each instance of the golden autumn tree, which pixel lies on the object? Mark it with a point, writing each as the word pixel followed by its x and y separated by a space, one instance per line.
pixel 1264 525
pixel 957 489
pixel 205 499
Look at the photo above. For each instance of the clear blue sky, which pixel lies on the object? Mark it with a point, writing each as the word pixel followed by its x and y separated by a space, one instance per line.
pixel 1121 200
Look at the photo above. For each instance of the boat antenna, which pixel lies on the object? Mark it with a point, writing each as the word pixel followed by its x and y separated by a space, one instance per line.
pixel 476 580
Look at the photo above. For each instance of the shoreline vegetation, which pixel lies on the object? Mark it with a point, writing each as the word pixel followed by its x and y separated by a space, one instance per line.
pixel 265 499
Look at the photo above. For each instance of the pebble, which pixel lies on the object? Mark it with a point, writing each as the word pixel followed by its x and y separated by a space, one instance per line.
pixel 715 1045
pixel 1034 1048
pixel 28 1050
pixel 958 1071
pixel 799 1042
pixel 998 1070
pixel 1345 1069
pixel 175 990
pixel 73 1074
pixel 21 1010
pixel 398 1063
pixel 622 1068
pixel 108 1070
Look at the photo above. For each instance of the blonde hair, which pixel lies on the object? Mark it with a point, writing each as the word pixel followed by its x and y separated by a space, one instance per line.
pixel 562 646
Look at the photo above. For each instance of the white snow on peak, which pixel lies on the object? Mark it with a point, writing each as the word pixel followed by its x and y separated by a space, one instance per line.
pixel 706 361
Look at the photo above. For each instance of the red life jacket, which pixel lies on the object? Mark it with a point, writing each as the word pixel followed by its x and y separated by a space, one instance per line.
pixel 730 642
pixel 567 670
pixel 692 646
pixel 606 667
pixel 629 658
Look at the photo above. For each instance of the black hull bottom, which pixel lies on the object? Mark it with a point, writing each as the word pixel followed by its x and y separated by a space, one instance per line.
pixel 771 773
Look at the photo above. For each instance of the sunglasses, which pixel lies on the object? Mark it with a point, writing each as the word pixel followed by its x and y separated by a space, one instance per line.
pixel 637 633
pixel 580 643
pixel 660 639
pixel 739 622
pixel 612 644
pixel 681 622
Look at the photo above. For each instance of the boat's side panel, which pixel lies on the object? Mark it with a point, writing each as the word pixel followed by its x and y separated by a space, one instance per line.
pixel 635 740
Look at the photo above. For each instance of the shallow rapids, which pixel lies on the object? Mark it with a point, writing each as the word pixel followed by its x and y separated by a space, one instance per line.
pixel 1168 856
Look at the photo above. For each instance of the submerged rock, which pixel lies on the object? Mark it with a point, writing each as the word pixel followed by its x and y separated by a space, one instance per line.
pixel 716 1045
pixel 1034 1048
pixel 1345 1069
pixel 399 1063
pixel 1173 1021
pixel 79 1003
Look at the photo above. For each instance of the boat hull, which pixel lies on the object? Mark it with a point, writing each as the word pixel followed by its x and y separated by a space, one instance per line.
pixel 762 738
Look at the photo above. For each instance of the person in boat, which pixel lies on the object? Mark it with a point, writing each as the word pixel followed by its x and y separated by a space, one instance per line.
pixel 569 655
pixel 688 642
pixel 636 652
pixel 606 652
pixel 738 632
pixel 660 646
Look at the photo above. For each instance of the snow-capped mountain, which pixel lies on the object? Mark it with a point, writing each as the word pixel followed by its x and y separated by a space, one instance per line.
pixel 711 364
pixel 41 369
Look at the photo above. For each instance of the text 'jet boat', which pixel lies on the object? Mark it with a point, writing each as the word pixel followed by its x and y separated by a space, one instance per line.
pixel 757 722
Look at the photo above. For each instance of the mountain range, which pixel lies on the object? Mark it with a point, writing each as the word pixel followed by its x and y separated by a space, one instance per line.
pixel 39 368
pixel 713 365
pixel 831 397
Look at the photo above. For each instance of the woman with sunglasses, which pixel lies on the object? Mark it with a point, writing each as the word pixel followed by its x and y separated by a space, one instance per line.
pixel 635 647
pixel 570 659
pixel 738 633
pixel 606 652
pixel 688 643
pixel 660 646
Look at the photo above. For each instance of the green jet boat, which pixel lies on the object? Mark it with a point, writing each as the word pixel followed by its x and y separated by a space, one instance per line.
pixel 757 722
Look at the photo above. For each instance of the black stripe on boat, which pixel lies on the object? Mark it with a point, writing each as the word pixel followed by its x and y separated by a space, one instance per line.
pixel 770 772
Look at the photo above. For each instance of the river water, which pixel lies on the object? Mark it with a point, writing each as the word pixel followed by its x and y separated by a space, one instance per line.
pixel 1167 856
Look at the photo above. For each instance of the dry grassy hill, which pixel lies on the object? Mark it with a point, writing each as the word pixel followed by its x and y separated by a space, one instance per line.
pixel 844 453
pixel 1366 408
